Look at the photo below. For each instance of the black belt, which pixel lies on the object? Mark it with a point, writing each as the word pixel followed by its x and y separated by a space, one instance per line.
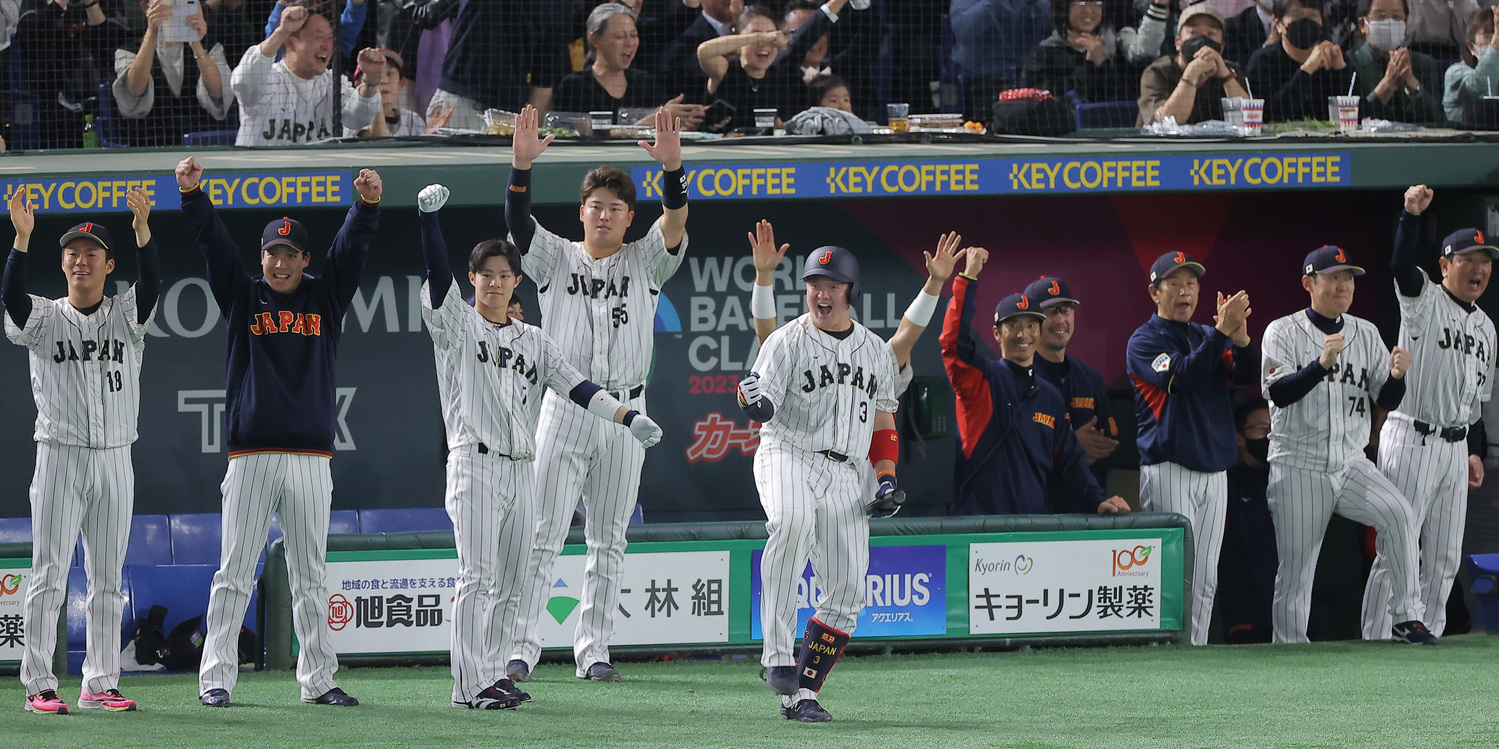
pixel 833 456
pixel 1449 434
pixel 634 393
pixel 484 450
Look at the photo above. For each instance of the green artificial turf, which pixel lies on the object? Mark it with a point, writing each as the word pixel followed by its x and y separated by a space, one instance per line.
pixel 1323 695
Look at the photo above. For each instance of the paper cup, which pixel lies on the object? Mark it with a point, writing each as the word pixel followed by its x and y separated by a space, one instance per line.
pixel 1343 111
pixel 1252 116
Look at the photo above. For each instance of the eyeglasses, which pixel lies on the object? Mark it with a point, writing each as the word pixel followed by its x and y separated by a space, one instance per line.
pixel 1256 430
pixel 1087 3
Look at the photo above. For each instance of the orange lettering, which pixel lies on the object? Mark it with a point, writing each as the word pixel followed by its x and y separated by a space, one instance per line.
pixel 286 320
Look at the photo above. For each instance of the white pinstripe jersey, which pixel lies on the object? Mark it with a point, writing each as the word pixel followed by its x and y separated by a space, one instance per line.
pixel 488 375
pixel 602 312
pixel 1452 357
pixel 277 108
pixel 1330 425
pixel 85 370
pixel 825 391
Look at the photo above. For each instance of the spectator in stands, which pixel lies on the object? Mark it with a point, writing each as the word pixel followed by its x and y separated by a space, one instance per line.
pixel 1246 565
pixel 1440 27
pixel 395 118
pixel 830 91
pixel 1296 76
pixel 1190 85
pixel 992 41
pixel 609 83
pixel 1398 84
pixel 1086 55
pixel 10 14
pixel 290 101
pixel 816 61
pixel 165 89
pixel 1017 453
pixel 1247 31
pixel 65 48
pixel 1476 76
pixel 678 68
pixel 761 79
pixel 350 22
pixel 502 55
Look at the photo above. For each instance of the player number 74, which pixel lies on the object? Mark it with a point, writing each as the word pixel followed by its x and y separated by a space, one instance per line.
pixel 1356 405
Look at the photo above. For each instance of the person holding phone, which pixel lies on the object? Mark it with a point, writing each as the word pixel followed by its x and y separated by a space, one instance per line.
pixel 174 79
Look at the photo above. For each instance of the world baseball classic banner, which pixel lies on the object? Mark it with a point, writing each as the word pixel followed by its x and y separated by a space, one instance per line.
pixel 704 595
pixel 13 576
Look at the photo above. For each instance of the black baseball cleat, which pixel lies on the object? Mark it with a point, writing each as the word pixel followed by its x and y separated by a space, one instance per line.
pixel 492 698
pixel 508 687
pixel 215 698
pixel 601 671
pixel 783 679
pixel 517 670
pixel 807 711
pixel 1413 632
pixel 336 697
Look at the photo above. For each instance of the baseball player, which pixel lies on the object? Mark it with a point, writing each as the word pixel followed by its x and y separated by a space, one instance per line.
pixel 598 302
pixel 1082 386
pixel 1181 371
pixel 823 387
pixel 1324 369
pixel 283 330
pixel 290 101
pixel 489 368
pixel 1432 447
pixel 1018 455
pixel 85 352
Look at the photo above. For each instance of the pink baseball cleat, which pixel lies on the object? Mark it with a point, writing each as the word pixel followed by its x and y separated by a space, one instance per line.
pixel 46 701
pixel 109 699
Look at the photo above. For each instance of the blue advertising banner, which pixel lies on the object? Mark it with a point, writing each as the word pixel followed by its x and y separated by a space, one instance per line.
pixel 1090 174
pixel 905 593
pixel 96 194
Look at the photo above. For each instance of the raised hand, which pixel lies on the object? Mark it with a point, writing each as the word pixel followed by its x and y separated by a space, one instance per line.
pixel 1400 362
pixel 1418 197
pixel 941 265
pixel 292 19
pixel 763 246
pixel 369 185
pixel 667 150
pixel 977 256
pixel 526 145
pixel 140 208
pixel 432 198
pixel 157 13
pixel 371 67
pixel 22 217
pixel 198 23
pixel 1232 312
pixel 189 171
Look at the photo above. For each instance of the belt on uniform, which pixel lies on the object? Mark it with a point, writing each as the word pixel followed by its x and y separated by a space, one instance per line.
pixel 1449 434
pixel 484 450
pixel 836 457
pixel 632 394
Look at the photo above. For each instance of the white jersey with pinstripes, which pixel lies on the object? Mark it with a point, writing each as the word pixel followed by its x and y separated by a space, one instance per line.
pixel 85 370
pixel 1329 426
pixel 602 312
pixel 1452 357
pixel 488 375
pixel 825 390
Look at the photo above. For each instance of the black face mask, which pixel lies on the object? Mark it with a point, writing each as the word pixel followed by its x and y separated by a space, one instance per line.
pixel 1258 449
pixel 1192 46
pixel 1304 33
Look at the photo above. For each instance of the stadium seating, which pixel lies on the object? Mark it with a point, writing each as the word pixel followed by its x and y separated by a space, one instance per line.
pixel 1106 114
pixel 210 137
pixel 109 125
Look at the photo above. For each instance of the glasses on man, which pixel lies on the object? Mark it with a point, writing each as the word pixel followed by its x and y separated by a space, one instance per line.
pixel 1087 3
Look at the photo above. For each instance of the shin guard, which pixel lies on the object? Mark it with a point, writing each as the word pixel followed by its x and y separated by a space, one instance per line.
pixel 821 646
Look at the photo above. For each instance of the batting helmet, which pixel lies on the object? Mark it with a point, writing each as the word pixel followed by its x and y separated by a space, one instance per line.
pixel 835 263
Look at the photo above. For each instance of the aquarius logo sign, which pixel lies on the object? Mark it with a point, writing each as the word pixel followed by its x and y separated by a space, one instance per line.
pixel 561 605
pixel 1126 559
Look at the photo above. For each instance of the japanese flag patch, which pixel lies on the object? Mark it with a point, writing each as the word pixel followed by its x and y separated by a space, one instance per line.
pixel 1161 363
pixel 810 673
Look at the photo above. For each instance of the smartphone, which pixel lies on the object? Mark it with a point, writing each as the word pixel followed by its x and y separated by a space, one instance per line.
pixel 176 28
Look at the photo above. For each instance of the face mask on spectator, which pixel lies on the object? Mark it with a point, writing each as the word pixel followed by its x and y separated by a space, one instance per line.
pixel 1387 34
pixel 1304 33
pixel 1196 43
pixel 1258 449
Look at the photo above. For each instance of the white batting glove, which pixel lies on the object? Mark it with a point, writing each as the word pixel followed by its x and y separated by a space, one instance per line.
pixel 749 389
pixel 432 198
pixel 645 430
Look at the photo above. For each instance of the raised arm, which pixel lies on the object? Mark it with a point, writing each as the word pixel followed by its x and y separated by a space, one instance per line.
pixel 226 271
pixel 148 285
pixel 351 246
pixel 248 78
pixel 13 286
pixel 667 151
pixel 713 55
pixel 913 323
pixel 434 250
pixel 1404 264
pixel 763 298
pixel 526 146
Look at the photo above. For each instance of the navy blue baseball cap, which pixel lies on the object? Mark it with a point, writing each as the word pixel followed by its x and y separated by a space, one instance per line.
pixel 1165 264
pixel 287 231
pixel 1017 305
pixel 1048 290
pixel 1464 241
pixel 1329 259
pixel 92 231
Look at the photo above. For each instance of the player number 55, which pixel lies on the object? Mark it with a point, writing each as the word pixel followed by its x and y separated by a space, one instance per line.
pixel 621 316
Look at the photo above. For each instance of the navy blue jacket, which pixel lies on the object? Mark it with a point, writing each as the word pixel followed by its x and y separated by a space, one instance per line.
pixel 1082 391
pixel 1182 373
pixel 279 365
pixel 1018 454
pixel 500 50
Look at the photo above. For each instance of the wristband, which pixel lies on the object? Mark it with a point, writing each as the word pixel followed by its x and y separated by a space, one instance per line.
pixel 197 186
pixel 921 309
pixel 884 445
pixel 520 180
pixel 367 201
pixel 763 303
pixel 674 189
pixel 629 416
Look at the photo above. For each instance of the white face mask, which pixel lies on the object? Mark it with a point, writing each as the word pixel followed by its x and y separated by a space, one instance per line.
pixel 1386 35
